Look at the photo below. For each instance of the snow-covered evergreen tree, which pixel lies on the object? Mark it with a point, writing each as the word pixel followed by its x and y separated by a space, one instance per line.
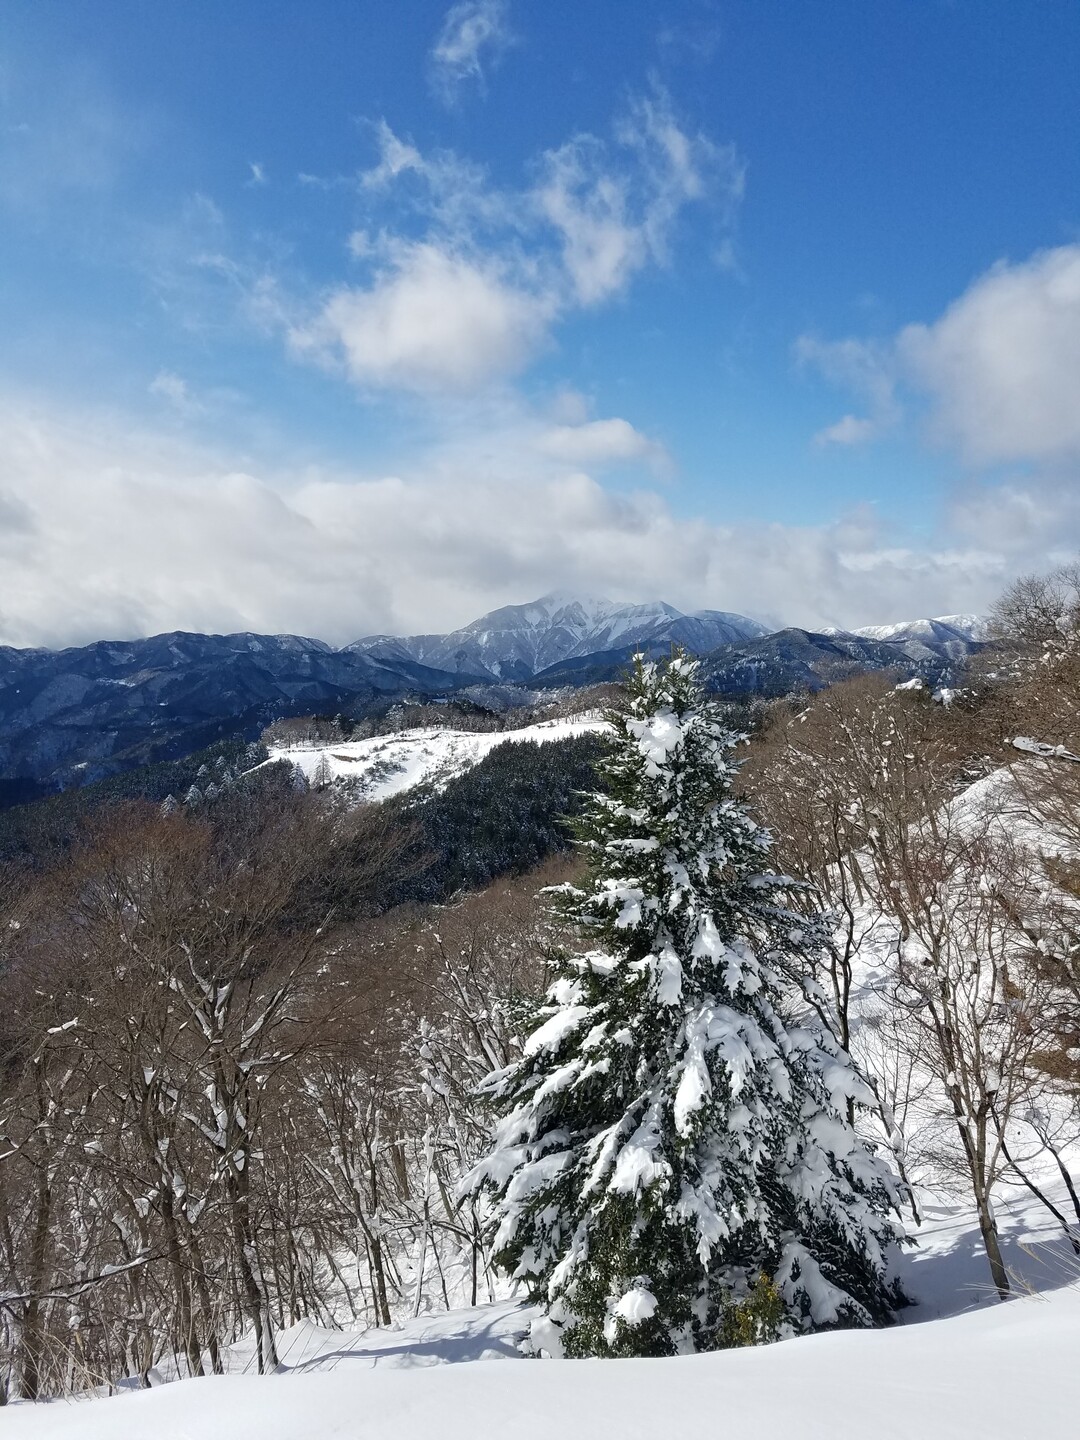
pixel 675 1167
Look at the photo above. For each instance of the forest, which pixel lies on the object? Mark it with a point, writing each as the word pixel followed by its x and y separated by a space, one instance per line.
pixel 248 1028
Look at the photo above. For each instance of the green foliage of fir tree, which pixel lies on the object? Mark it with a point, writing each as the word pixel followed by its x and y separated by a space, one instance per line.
pixel 675 1166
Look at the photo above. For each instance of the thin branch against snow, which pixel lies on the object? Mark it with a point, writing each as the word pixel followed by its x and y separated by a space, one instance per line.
pixel 68 1292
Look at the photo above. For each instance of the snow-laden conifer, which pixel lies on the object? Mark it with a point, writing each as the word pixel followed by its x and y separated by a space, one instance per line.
pixel 675 1166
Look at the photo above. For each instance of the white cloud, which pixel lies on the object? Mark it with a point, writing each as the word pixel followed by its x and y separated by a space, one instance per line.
pixel 588 206
pixel 395 156
pixel 1002 365
pixel 613 217
pixel 474 299
pixel 1000 369
pixel 570 407
pixel 1037 521
pixel 601 442
pixel 432 320
pixel 848 430
pixel 174 389
pixel 475 33
pixel 681 167
pixel 120 532
pixel 861 366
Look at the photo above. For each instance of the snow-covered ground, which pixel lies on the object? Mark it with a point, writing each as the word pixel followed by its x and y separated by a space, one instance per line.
pixel 961 1366
pixel 388 764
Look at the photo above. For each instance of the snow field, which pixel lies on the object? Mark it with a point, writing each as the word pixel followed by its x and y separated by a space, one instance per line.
pixel 1007 1371
pixel 386 765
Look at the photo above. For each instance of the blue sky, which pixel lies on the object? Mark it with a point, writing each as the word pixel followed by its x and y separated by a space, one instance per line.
pixel 350 317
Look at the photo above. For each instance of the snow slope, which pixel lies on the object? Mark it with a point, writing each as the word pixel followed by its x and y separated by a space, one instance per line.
pixel 388 764
pixel 960 1366
pixel 1009 1371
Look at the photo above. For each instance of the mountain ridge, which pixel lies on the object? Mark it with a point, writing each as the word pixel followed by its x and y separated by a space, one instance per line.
pixel 516 642
pixel 84 712
pixel 786 660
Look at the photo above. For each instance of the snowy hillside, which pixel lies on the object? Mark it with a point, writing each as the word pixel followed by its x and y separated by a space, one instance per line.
pixel 969 627
pixel 388 764
pixel 938 630
pixel 960 1362
pixel 957 1368
pixel 992 826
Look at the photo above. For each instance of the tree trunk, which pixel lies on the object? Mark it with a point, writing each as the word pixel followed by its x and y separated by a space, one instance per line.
pixel 189 1340
pixel 256 1303
pixel 33 1329
pixel 988 1229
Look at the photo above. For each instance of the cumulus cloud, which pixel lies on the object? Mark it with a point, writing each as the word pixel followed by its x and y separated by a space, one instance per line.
pixel 600 442
pixel 1002 365
pixel 1036 520
pixel 999 370
pixel 116 531
pixel 849 430
pixel 431 320
pixel 474 297
pixel 474 34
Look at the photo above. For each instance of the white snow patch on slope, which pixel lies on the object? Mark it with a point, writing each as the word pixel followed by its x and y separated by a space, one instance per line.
pixel 386 765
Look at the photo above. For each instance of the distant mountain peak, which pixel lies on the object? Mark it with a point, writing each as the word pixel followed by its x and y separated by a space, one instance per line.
pixel 972 628
pixel 516 642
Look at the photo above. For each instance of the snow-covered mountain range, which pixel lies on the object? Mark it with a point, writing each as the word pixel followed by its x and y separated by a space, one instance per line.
pixel 952 635
pixel 516 642
pixel 68 716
